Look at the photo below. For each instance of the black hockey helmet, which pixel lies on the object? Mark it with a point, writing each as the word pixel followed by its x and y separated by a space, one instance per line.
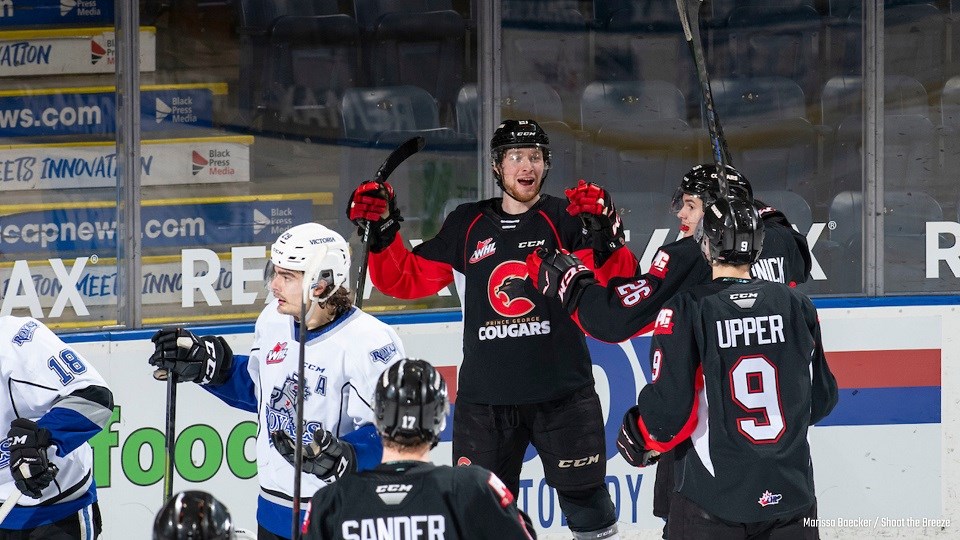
pixel 732 231
pixel 410 402
pixel 518 134
pixel 701 181
pixel 193 515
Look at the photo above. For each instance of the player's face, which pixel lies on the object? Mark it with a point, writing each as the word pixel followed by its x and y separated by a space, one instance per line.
pixel 522 172
pixel 287 288
pixel 690 214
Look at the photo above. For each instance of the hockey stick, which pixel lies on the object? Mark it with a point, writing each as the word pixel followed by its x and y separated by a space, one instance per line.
pixel 399 155
pixel 170 435
pixel 9 504
pixel 311 280
pixel 690 20
pixel 298 445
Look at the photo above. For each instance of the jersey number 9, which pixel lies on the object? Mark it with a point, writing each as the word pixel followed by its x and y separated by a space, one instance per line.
pixel 754 386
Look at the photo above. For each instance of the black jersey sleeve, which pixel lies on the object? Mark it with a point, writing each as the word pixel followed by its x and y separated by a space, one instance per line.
pixel 627 307
pixel 489 510
pixel 668 404
pixel 824 385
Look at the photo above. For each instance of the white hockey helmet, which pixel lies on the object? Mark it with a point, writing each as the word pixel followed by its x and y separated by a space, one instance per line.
pixel 318 252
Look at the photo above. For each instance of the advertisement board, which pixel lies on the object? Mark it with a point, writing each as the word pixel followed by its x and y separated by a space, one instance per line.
pixel 93 110
pixel 198 160
pixel 63 51
pixel 65 253
pixel 55 12
pixel 880 459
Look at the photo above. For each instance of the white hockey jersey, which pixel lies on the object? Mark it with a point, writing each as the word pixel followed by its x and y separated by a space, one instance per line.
pixel 51 383
pixel 343 362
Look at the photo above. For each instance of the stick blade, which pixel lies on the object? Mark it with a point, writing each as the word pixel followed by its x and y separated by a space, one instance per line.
pixel 409 147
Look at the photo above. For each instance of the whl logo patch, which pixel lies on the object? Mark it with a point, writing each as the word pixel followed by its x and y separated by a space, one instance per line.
pixel 768 498
pixel 199 162
pixel 277 354
pixel 97 51
pixel 485 248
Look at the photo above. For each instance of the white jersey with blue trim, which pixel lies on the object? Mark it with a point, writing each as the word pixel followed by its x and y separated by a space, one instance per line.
pixel 50 383
pixel 343 362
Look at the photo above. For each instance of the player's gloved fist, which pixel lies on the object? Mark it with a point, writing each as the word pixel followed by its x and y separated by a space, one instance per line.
pixel 559 274
pixel 31 470
pixel 630 441
pixel 370 201
pixel 367 206
pixel 326 457
pixel 594 206
pixel 204 360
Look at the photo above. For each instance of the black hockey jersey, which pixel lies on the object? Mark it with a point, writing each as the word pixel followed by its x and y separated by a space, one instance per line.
pixel 406 500
pixel 518 346
pixel 627 307
pixel 739 374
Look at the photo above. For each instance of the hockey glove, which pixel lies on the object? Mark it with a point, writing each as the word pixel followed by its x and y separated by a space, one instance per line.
pixel 559 274
pixel 630 441
pixel 31 470
pixel 594 206
pixel 204 360
pixel 326 457
pixel 367 205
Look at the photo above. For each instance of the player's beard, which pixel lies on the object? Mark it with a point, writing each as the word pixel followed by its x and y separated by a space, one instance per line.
pixel 511 191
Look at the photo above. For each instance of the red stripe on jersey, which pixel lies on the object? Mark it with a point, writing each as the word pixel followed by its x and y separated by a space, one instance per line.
pixel 449 374
pixel 466 247
pixel 688 426
pixel 556 235
pixel 885 369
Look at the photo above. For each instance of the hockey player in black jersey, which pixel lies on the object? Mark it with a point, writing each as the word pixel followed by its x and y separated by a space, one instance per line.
pixel 627 307
pixel 739 375
pixel 526 376
pixel 408 497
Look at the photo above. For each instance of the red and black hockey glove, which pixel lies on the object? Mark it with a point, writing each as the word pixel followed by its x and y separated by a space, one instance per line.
pixel 630 441
pixel 32 472
pixel 594 206
pixel 559 274
pixel 368 204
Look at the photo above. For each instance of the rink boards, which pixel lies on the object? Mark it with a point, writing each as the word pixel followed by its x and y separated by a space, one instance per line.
pixel 880 458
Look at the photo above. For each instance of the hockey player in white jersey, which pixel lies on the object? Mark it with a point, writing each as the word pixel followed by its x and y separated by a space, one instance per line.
pixel 53 402
pixel 346 350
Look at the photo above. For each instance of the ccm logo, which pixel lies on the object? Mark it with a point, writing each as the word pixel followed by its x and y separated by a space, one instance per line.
pixel 582 462
pixel 395 488
pixel 530 244
pixel 739 296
